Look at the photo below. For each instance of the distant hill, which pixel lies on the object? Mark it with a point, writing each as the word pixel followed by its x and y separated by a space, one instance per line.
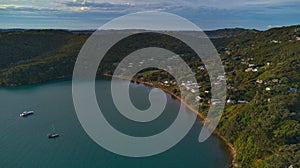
pixel 221 33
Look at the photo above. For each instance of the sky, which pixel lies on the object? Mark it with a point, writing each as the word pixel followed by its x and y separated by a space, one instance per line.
pixel 91 14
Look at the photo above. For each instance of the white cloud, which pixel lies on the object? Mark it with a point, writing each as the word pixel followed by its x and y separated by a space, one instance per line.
pixel 270 2
pixel 214 13
pixel 25 8
pixel 141 5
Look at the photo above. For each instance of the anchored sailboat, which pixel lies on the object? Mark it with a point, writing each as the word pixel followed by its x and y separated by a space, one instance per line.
pixel 53 135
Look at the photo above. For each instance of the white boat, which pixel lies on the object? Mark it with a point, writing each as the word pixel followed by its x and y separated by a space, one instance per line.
pixel 53 135
pixel 26 113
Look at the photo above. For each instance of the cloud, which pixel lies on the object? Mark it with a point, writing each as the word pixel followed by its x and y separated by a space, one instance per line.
pixel 78 6
pixel 128 6
pixel 19 8
pixel 269 2
pixel 212 13
pixel 14 7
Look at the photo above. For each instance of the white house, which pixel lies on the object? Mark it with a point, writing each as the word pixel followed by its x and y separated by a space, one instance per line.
pixel 275 80
pixel 221 77
pixel 259 81
pixel 275 41
pixel 193 90
pixel 165 81
pixel 241 102
pixel 198 98
pixel 215 101
pixel 229 101
pixel 255 70
pixel 228 52
pixel 251 65
pixel 202 68
pixel 248 69
pixel 268 88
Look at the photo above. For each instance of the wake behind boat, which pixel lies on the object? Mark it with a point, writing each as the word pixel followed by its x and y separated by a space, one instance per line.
pixel 26 113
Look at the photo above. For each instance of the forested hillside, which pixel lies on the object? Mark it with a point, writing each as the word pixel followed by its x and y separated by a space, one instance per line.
pixel 37 55
pixel 264 70
pixel 262 115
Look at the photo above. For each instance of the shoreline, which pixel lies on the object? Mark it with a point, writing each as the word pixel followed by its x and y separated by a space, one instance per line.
pixel 215 133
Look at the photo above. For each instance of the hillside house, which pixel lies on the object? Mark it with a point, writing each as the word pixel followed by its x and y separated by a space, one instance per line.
pixel 293 90
pixel 202 68
pixel 221 78
pixel 259 81
pixel 165 81
pixel 275 80
pixel 216 101
pixel 241 102
pixel 255 70
pixel 251 65
pixel 275 41
pixel 248 69
pixel 269 88
pixel 198 98
pixel 230 101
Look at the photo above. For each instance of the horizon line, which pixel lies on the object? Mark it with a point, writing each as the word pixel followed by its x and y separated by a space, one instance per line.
pixel 92 29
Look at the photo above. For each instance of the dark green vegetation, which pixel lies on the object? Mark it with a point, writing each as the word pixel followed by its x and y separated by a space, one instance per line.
pixel 266 131
pixel 263 70
pixel 35 56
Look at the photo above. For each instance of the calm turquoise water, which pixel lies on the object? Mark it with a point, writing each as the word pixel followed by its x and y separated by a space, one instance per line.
pixel 24 142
